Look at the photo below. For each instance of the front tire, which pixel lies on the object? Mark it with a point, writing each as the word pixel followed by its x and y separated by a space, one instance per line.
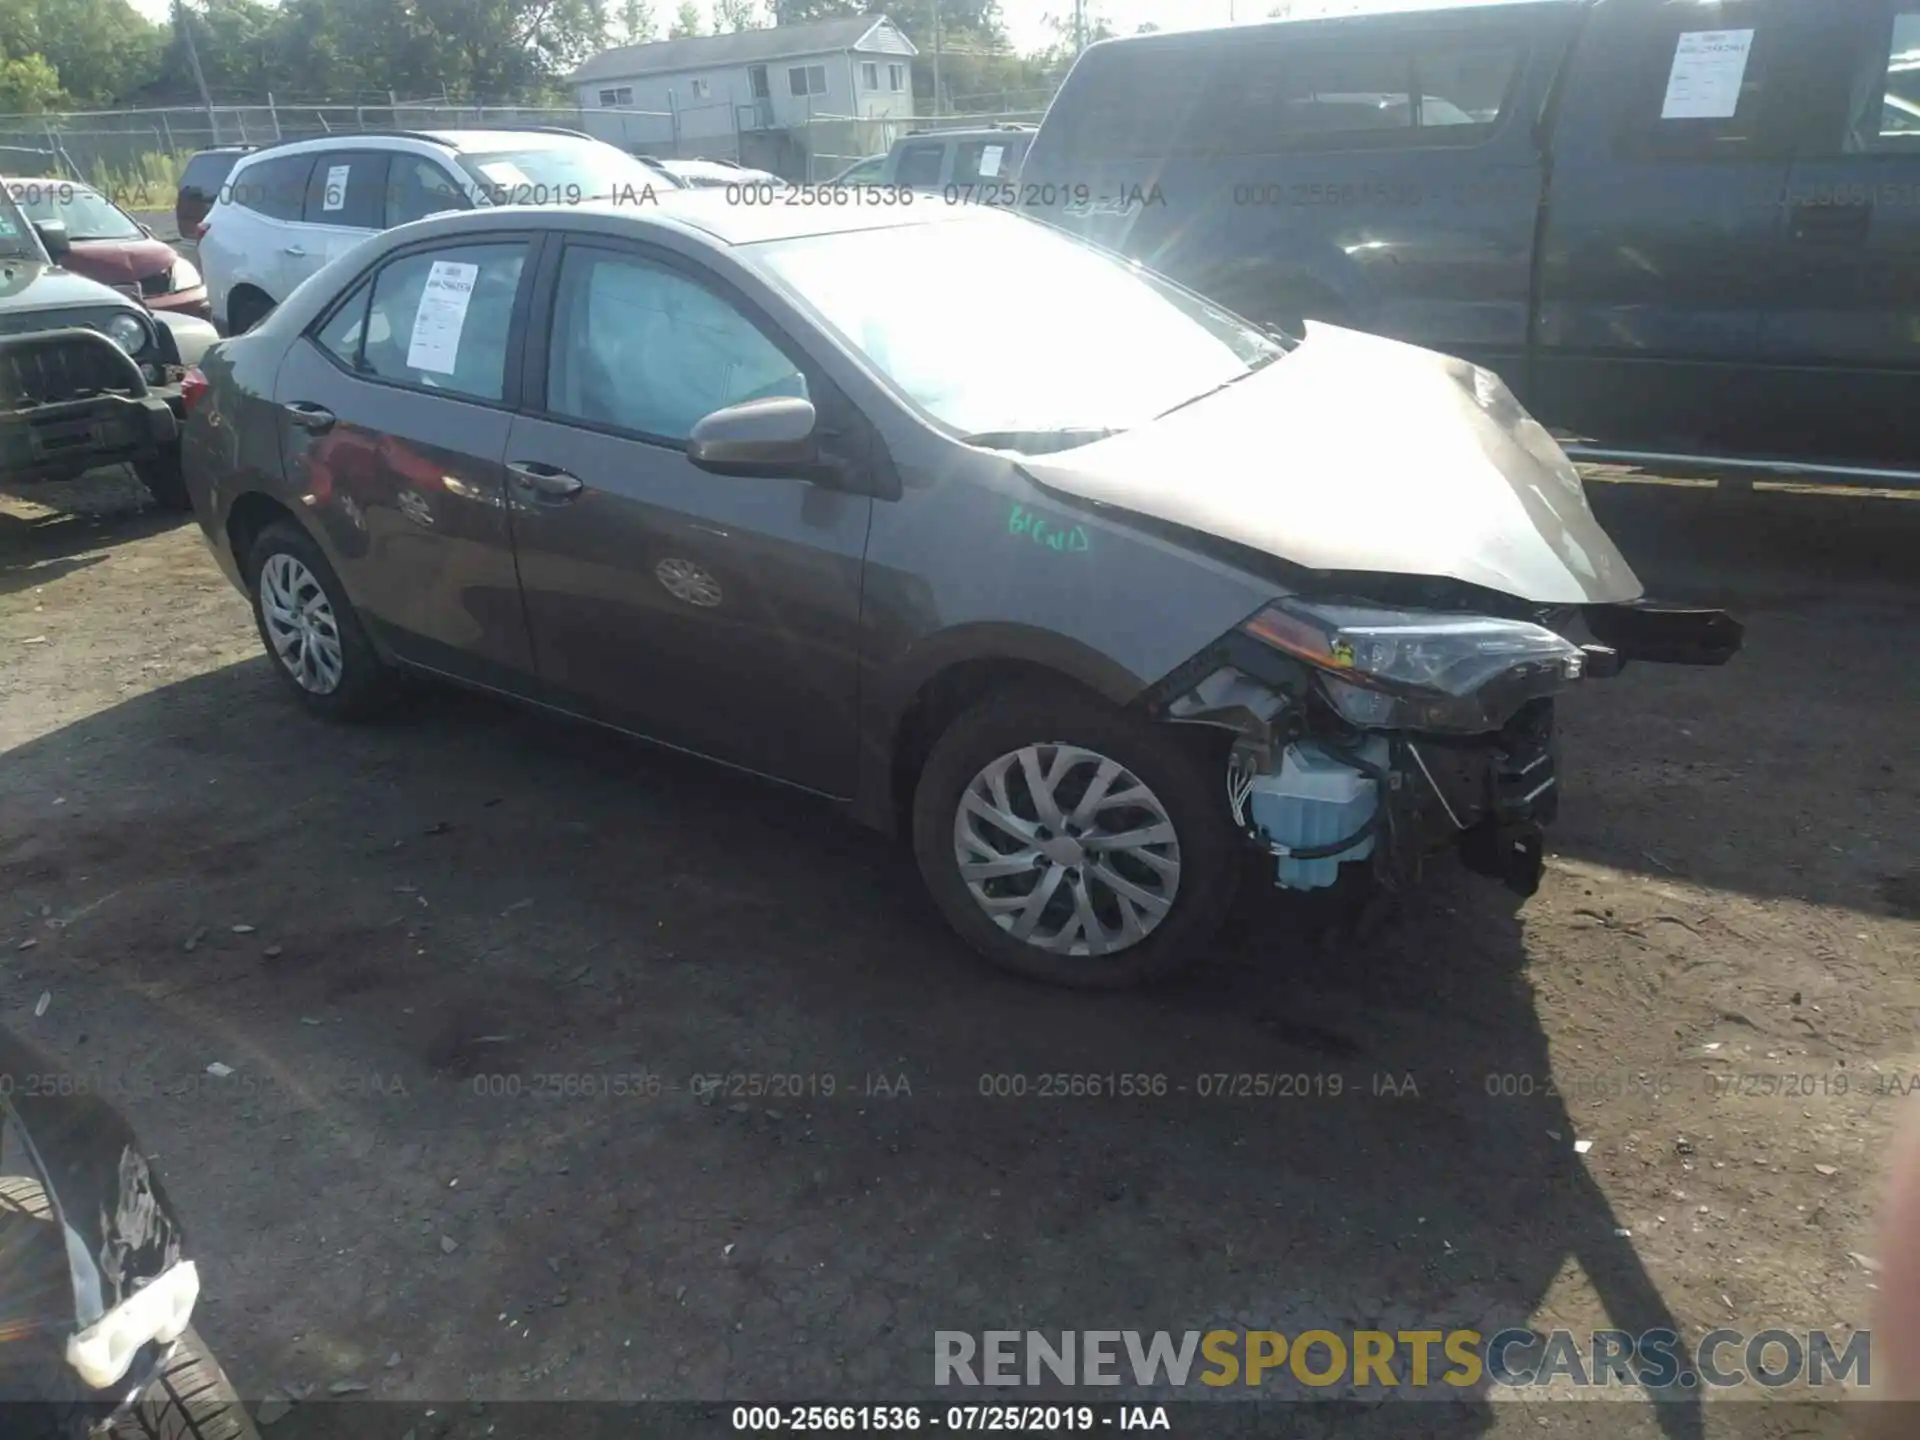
pixel 1072 843
pixel 310 629
pixel 190 1398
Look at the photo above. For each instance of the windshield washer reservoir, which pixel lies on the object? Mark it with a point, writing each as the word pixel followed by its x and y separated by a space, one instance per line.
pixel 1316 800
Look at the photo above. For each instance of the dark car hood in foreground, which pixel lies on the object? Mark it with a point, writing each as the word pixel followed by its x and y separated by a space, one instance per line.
pixel 1355 453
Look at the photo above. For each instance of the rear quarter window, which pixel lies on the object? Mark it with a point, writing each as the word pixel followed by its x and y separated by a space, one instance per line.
pixel 1274 93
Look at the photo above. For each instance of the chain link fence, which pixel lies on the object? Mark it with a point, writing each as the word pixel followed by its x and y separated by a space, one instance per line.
pixel 137 155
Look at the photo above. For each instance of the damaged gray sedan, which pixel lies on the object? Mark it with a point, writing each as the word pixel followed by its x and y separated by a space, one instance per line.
pixel 1086 585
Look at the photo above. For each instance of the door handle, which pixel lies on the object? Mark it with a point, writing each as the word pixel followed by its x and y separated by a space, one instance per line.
pixel 546 481
pixel 308 416
pixel 299 250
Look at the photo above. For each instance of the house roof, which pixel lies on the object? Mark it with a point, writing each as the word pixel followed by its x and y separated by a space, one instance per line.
pixel 743 47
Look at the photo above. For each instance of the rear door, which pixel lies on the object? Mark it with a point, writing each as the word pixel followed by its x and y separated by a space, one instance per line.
pixel 395 410
pixel 345 203
pixel 1840 338
pixel 257 226
pixel 718 614
pixel 1663 246
pixel 920 165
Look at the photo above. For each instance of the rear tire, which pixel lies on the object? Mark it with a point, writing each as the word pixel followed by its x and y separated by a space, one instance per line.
pixel 189 1398
pixel 1156 905
pixel 164 479
pixel 310 629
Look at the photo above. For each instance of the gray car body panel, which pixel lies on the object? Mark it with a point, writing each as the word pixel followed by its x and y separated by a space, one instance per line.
pixel 969 557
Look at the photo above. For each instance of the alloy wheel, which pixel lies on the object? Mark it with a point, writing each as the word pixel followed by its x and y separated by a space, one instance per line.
pixel 1067 850
pixel 300 624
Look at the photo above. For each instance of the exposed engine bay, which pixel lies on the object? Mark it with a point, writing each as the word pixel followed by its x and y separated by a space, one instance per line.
pixel 1369 741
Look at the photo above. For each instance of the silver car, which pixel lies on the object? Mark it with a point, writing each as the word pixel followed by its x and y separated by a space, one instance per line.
pixel 1086 585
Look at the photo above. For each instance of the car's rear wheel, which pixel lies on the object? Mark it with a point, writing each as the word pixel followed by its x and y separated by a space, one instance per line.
pixel 310 629
pixel 1072 843
pixel 189 1398
pixel 162 476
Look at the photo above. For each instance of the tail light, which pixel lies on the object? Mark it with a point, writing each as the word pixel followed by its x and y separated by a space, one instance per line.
pixel 193 385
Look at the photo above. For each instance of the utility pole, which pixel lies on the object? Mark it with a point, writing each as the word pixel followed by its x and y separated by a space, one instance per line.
pixel 936 59
pixel 193 64
pixel 1079 26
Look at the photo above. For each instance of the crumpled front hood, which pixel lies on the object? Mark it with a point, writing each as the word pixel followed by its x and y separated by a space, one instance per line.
pixel 1355 453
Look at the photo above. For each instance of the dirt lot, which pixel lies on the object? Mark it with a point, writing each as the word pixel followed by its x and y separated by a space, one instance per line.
pixel 432 952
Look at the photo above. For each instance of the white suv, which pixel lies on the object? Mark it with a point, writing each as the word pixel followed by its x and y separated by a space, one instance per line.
pixel 287 209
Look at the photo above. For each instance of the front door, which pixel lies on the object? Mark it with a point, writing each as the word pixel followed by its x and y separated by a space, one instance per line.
pixel 717 614
pixel 1842 338
pixel 1663 242
pixel 395 411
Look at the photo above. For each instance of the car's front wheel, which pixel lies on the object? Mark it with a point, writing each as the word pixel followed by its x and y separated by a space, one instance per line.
pixel 1073 843
pixel 309 626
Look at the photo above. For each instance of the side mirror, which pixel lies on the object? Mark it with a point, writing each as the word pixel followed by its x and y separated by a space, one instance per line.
pixel 145 229
pixel 53 235
pixel 772 439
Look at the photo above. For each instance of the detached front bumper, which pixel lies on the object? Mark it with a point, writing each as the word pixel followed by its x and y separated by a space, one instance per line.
pixel 71 400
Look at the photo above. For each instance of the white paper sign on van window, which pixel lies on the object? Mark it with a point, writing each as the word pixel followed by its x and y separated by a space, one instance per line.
pixel 990 158
pixel 1708 69
pixel 435 345
pixel 335 197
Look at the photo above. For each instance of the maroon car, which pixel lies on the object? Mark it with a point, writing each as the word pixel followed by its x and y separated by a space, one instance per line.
pixel 104 243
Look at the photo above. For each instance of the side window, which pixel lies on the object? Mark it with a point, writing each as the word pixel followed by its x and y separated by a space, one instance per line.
pixel 275 187
pixel 1710 80
pixel 919 167
pixel 418 187
pixel 346 188
pixel 341 336
pixel 644 348
pixel 1886 96
pixel 981 160
pixel 441 319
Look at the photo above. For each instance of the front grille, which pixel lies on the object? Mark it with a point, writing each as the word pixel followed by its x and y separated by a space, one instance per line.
pixel 52 371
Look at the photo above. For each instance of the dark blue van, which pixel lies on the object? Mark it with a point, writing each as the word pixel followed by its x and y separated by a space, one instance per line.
pixel 1682 230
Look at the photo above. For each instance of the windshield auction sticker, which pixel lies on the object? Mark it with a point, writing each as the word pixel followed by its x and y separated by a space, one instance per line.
pixel 442 314
pixel 335 197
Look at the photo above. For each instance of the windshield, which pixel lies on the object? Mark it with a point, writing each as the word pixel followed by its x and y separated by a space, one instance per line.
pixel 16 240
pixel 564 175
pixel 995 325
pixel 86 214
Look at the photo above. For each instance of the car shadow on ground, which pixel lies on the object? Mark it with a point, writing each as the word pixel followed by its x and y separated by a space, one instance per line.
pixel 101 509
pixel 1334 1135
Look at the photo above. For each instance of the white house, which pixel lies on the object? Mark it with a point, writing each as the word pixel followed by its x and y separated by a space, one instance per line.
pixel 702 94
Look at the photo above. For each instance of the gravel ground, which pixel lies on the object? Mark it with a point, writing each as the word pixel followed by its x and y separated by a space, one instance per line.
pixel 436 953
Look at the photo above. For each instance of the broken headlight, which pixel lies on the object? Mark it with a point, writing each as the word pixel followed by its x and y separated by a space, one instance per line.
pixel 1421 670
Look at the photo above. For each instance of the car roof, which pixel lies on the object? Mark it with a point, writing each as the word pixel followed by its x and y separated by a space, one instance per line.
pixel 1385 12
pixel 465 141
pixel 710 215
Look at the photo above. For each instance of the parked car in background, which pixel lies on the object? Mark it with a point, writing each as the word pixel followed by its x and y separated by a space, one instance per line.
pixel 105 243
pixel 986 157
pixel 1686 234
pixel 870 171
pixel 200 185
pixel 1092 591
pixel 288 209
pixel 91 377
pixel 710 174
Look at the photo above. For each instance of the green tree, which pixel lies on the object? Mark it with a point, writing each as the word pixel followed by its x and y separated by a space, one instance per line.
pixel 686 22
pixel 101 49
pixel 732 15
pixel 637 25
